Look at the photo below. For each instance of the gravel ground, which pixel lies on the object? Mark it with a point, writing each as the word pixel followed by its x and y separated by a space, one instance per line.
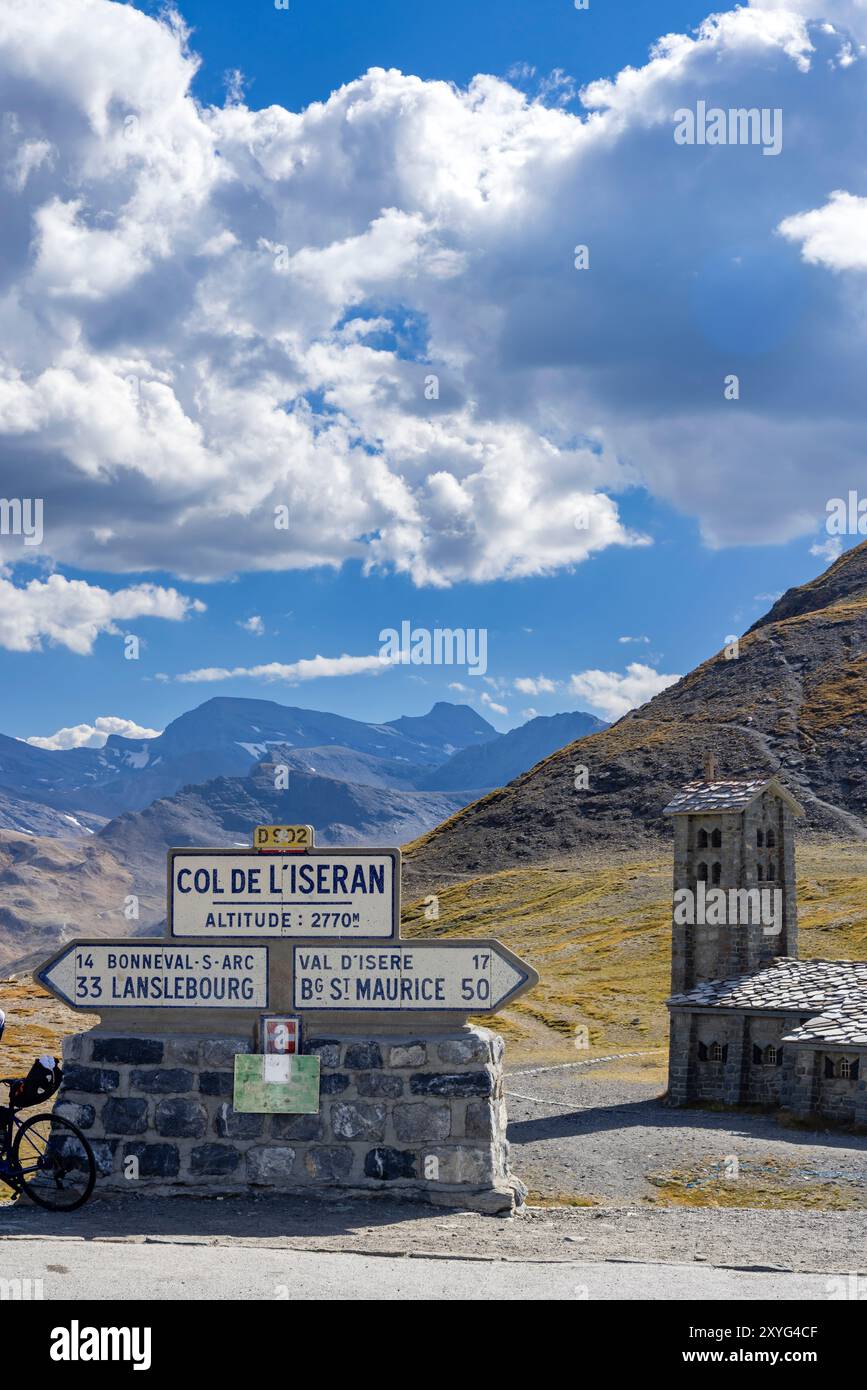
pixel 596 1132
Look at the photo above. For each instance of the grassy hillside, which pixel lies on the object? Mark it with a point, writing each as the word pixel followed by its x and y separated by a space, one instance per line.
pixel 599 936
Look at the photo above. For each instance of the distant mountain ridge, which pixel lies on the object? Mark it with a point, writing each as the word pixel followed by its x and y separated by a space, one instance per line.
pixel 75 791
pixel 356 783
pixel 499 761
pixel 225 736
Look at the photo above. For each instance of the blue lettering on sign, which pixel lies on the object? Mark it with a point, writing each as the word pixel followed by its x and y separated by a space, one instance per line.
pixel 305 879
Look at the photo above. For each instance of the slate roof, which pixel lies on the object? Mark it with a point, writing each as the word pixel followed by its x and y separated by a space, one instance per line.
pixel 833 992
pixel 725 796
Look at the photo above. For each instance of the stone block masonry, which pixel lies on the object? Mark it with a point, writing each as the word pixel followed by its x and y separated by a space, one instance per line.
pixel 422 1118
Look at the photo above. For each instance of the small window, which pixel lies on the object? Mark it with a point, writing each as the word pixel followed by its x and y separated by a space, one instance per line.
pixel 770 1056
pixel 715 1052
pixel 702 839
pixel 760 838
pixel 843 1068
pixel 771 840
pixel 772 873
pixel 760 873
pixel 716 838
pixel 701 872
pixel 717 872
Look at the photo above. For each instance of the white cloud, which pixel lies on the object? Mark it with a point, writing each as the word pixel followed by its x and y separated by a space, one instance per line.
pixel 307 669
pixel 633 639
pixel 529 713
pixel 72 613
pixel 492 705
pixel 615 694
pixel 92 735
pixel 535 685
pixel 829 550
pixel 834 235
pixel 254 625
pixel 194 295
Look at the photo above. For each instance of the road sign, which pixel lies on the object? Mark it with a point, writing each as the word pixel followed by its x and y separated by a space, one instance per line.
pixel 337 893
pixel 279 1034
pixel 469 977
pixel 283 837
pixel 157 974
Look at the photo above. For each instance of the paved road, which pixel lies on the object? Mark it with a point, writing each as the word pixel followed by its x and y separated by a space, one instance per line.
pixel 95 1269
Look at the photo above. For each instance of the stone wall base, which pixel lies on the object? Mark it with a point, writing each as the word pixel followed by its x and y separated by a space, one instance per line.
pixel 420 1118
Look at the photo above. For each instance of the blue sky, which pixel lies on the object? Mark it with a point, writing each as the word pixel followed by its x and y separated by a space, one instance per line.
pixel 149 271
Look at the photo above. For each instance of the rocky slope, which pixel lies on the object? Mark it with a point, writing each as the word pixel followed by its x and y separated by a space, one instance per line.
pixel 793 700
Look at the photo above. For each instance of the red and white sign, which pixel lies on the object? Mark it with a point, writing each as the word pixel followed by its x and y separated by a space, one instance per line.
pixel 281 1035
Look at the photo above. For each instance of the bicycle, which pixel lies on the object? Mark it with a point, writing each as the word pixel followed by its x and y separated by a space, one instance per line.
pixel 45 1156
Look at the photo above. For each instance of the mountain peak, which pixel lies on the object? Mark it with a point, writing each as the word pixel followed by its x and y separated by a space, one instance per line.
pixel 845 579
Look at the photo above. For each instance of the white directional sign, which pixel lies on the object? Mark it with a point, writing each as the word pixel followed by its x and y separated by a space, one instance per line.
pixel 469 977
pixel 95 975
pixel 220 894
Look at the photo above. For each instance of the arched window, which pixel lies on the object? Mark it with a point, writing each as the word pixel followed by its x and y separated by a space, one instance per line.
pixel 760 838
pixel 772 839
pixel 771 870
pixel 716 838
pixel 701 872
pixel 702 839
pixel 759 872
pixel 717 872
pixel 846 1068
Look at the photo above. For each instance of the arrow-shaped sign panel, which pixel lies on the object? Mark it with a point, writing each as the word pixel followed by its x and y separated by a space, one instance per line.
pixel 157 974
pixel 468 977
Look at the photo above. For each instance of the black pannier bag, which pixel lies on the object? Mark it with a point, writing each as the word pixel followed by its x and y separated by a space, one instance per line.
pixel 38 1085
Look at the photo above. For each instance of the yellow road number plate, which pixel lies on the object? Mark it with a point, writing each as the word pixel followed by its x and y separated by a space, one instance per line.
pixel 283 837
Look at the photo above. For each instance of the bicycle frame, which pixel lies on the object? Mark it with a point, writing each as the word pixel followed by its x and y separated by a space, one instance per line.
pixel 9 1173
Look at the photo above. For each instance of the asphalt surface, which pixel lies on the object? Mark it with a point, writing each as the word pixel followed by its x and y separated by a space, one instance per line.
pixel 70 1269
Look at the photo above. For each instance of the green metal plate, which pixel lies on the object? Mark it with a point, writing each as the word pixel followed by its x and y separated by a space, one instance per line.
pixel 269 1083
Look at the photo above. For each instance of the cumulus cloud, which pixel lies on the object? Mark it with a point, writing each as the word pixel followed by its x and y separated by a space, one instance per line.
pixel 535 685
pixel 834 235
pixel 254 625
pixel 615 694
pixel 72 613
pixel 307 669
pixel 237 339
pixel 93 735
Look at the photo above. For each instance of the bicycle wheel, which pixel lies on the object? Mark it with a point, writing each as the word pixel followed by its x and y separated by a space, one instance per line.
pixel 53 1163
